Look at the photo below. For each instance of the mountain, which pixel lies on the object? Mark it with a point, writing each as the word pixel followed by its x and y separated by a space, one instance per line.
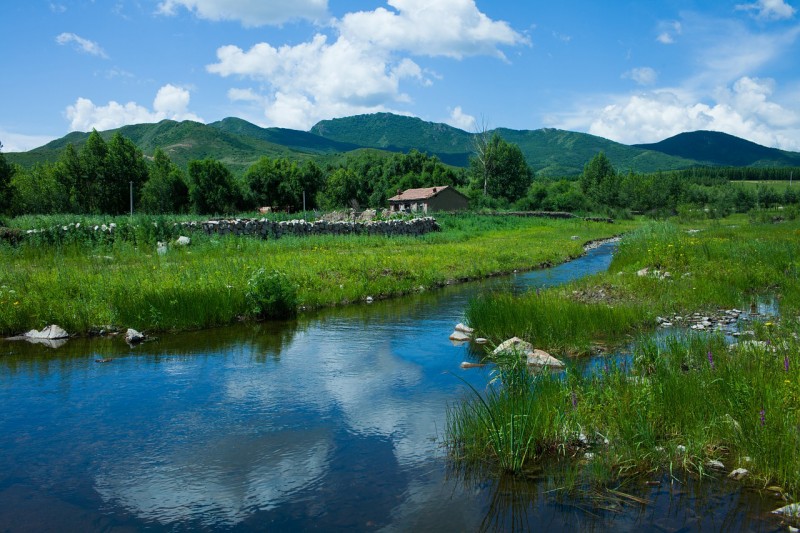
pixel 720 149
pixel 550 152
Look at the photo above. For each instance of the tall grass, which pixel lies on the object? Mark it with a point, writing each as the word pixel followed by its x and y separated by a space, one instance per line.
pixel 84 283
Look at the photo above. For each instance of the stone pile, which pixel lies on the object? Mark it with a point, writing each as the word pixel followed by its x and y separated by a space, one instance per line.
pixel 298 228
pixel 722 320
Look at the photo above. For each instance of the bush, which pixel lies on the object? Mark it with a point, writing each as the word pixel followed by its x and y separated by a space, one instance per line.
pixel 271 295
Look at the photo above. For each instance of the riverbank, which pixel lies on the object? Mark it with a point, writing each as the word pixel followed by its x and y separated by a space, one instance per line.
pixel 690 403
pixel 88 286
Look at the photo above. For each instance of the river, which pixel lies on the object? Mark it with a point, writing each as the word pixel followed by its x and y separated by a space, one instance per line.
pixel 332 422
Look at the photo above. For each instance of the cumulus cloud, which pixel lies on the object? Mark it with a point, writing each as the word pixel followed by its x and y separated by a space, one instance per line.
pixel 171 102
pixel 82 45
pixel 642 75
pixel 362 68
pixel 744 109
pixel 459 119
pixel 769 9
pixel 250 13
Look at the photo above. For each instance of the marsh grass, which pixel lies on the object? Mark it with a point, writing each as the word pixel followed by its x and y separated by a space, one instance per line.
pixel 82 283
pixel 682 401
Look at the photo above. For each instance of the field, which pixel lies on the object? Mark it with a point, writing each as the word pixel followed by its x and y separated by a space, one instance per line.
pixel 85 282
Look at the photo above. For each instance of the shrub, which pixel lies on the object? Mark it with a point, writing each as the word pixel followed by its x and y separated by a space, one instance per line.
pixel 271 295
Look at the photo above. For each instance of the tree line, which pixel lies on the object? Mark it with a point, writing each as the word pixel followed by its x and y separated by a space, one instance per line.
pixel 98 179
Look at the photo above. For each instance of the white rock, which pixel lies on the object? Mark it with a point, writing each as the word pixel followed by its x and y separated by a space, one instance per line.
pixel 467 364
pixel 458 336
pixel 464 329
pixel 133 337
pixel 369 299
pixel 715 464
pixel 183 241
pixel 792 510
pixel 739 473
pixel 643 272
pixel 51 332
pixel 481 340
pixel 542 358
pixel 514 344
pixel 588 456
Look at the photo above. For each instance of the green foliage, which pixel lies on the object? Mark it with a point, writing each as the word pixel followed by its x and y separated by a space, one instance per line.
pixel 6 175
pixel 165 190
pixel 271 295
pixel 37 190
pixel 212 188
pixel 124 165
pixel 600 182
pixel 281 183
pixel 500 169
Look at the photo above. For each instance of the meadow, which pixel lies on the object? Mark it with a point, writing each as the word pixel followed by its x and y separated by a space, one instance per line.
pixel 678 403
pixel 86 281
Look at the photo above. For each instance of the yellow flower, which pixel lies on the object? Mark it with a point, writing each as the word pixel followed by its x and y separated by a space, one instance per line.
pixel 16 303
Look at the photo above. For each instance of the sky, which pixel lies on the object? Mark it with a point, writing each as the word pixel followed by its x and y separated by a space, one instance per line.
pixel 630 71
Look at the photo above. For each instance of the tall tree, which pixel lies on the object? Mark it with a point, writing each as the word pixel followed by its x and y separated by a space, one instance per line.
pixel 69 173
pixel 6 173
pixel 165 190
pixel 600 182
pixel 93 166
pixel 124 166
pixel 502 169
pixel 212 188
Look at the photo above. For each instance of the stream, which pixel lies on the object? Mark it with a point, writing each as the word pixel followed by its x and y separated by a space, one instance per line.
pixel 332 422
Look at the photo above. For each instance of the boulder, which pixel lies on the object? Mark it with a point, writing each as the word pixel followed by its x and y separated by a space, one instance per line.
pixel 467 364
pixel 542 358
pixel 514 344
pixel 183 241
pixel 133 337
pixel 533 356
pixel 51 332
pixel 714 463
pixel 792 510
pixel 739 473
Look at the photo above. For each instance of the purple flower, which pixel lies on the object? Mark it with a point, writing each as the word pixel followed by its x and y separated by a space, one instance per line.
pixel 574 400
pixel 786 362
pixel 762 416
pixel 710 360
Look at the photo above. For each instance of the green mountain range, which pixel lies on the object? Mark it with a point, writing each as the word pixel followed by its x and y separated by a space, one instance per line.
pixel 550 152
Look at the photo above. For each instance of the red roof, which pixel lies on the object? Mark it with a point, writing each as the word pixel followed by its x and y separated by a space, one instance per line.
pixel 410 195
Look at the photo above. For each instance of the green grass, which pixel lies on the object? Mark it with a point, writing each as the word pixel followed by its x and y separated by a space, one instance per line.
pixel 681 402
pixel 81 283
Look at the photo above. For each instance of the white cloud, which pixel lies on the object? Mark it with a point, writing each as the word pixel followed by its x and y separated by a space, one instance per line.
pixel 642 75
pixel 769 9
pixel 18 142
pixel 171 102
pixel 361 70
pixel 451 28
pixel 82 45
pixel 459 119
pixel 668 30
pixel 250 13
pixel 744 109
pixel 57 8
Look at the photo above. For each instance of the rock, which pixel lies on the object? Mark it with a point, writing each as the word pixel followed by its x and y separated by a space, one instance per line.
pixel 161 248
pixel 183 241
pixel 588 456
pixel 459 336
pixel 715 464
pixel 643 272
pixel 466 364
pixel 133 337
pixel 464 329
pixel 369 299
pixel 792 510
pixel 739 473
pixel 514 344
pixel 542 358
pixel 481 340
pixel 103 360
pixel 51 332
pixel 574 237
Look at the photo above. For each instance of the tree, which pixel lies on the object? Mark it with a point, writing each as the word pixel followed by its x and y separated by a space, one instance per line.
pixel 502 168
pixel 93 167
pixel 165 190
pixel 69 173
pixel 212 188
pixel 600 181
pixel 6 173
pixel 37 190
pixel 124 164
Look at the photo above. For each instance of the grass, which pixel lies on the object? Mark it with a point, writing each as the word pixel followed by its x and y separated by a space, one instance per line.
pixel 82 282
pixel 677 404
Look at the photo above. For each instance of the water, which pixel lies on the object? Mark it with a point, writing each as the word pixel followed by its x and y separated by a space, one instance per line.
pixel 332 423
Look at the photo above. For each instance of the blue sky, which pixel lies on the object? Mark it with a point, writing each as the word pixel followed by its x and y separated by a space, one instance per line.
pixel 629 71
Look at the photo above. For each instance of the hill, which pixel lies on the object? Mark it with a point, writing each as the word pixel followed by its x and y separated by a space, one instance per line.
pixel 721 149
pixel 550 152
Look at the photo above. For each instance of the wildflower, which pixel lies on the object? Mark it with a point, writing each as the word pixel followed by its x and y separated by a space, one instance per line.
pixel 786 363
pixel 762 416
pixel 710 360
pixel 574 400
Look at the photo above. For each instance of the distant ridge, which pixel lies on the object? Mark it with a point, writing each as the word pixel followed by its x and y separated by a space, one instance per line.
pixel 550 152
pixel 721 149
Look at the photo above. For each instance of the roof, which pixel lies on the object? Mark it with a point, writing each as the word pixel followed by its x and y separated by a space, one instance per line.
pixel 409 195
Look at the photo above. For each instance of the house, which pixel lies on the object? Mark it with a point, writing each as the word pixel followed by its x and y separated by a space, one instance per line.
pixel 428 199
